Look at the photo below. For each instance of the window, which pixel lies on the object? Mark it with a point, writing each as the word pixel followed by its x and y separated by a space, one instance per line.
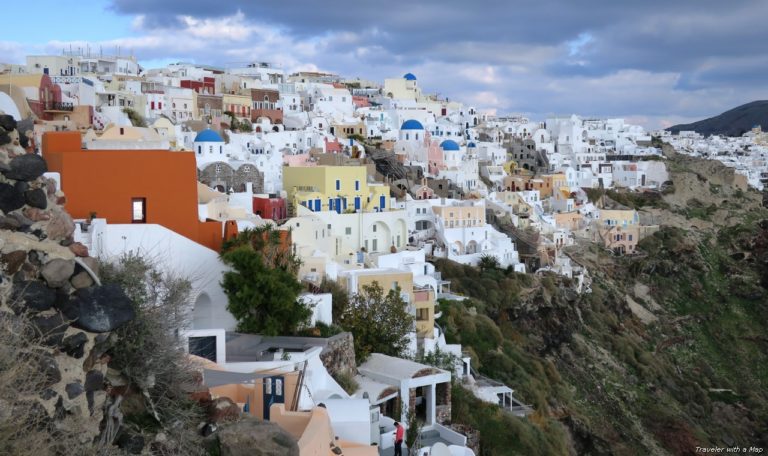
pixel 357 185
pixel 348 231
pixel 329 227
pixel 338 184
pixel 374 228
pixel 139 210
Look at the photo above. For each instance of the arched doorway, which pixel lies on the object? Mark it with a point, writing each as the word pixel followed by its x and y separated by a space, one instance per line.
pixel 202 314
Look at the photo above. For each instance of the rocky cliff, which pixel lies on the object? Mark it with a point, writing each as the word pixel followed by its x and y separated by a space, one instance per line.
pixel 56 317
pixel 667 353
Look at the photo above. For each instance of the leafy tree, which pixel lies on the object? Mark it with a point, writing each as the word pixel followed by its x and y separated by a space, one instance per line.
pixel 262 288
pixel 488 262
pixel 136 119
pixel 380 323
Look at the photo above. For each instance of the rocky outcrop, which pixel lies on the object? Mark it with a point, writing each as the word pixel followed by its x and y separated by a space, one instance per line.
pixel 252 437
pixel 338 356
pixel 41 284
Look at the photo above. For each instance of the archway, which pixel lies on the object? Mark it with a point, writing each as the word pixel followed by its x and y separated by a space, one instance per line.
pixel 202 315
pixel 457 248
pixel 472 247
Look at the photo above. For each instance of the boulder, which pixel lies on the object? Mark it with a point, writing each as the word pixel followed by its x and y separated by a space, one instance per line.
pixel 223 409
pixel 57 272
pixel 74 345
pixel 49 369
pixel 13 261
pixel 36 215
pixel 252 437
pixel 79 249
pixel 61 225
pixel 51 328
pixel 26 167
pixel 81 280
pixel 131 442
pixel 98 309
pixel 36 198
pixel 94 380
pixel 32 295
pixel 73 390
pixel 9 223
pixel 10 198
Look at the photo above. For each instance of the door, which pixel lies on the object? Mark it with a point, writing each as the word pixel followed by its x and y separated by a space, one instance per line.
pixel 357 203
pixel 382 202
pixel 273 393
pixel 318 205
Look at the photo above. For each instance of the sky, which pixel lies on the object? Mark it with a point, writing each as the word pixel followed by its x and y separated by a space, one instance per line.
pixel 652 62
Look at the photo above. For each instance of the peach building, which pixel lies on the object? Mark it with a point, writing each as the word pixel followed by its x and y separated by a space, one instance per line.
pixel 130 186
pixel 315 433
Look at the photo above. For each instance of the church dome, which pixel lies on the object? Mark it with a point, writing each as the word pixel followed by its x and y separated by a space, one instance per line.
pixel 409 77
pixel 412 124
pixel 449 144
pixel 208 135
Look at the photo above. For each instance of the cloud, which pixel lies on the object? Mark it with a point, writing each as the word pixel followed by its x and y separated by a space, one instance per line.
pixel 654 60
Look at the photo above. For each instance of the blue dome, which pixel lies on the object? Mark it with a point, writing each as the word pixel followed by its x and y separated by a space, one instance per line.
pixel 471 144
pixel 208 135
pixel 412 125
pixel 449 144
pixel 409 77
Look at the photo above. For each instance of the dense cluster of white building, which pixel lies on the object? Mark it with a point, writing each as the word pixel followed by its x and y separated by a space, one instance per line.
pixel 747 154
pixel 306 145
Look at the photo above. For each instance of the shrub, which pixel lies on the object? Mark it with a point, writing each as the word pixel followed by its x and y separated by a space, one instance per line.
pixel 347 381
pixel 150 354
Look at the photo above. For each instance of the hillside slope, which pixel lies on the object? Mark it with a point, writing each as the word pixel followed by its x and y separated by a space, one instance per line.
pixel 734 122
pixel 667 353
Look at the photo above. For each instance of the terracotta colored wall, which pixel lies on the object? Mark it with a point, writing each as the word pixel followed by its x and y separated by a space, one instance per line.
pixel 105 182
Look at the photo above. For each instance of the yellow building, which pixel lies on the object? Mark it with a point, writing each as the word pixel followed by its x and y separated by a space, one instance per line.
pixel 334 188
pixel 553 182
pixel 424 301
pixel 619 217
pixel 421 298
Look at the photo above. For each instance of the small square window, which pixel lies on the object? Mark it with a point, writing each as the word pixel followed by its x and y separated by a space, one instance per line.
pixel 348 231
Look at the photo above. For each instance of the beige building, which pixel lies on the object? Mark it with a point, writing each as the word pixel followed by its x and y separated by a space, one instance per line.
pixel 464 215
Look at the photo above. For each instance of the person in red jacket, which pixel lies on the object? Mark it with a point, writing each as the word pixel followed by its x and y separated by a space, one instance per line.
pixel 399 433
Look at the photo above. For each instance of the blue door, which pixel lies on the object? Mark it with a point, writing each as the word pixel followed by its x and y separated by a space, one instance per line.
pixel 318 205
pixel 338 205
pixel 273 393
pixel 382 202
pixel 357 203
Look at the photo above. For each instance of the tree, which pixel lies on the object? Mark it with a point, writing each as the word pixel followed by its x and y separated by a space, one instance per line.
pixel 136 119
pixel 380 323
pixel 262 288
pixel 488 262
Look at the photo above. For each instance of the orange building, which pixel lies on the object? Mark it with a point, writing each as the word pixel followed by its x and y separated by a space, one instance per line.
pixel 130 186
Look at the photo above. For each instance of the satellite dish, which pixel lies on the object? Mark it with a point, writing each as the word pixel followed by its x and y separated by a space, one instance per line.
pixel 439 449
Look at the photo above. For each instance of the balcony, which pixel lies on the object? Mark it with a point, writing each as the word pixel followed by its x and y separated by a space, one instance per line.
pixel 58 106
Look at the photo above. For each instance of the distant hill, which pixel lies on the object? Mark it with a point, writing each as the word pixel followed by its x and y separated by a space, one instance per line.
pixel 735 122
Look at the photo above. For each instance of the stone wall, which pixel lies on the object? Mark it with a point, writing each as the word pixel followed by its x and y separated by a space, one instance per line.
pixel 338 356
pixel 50 281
